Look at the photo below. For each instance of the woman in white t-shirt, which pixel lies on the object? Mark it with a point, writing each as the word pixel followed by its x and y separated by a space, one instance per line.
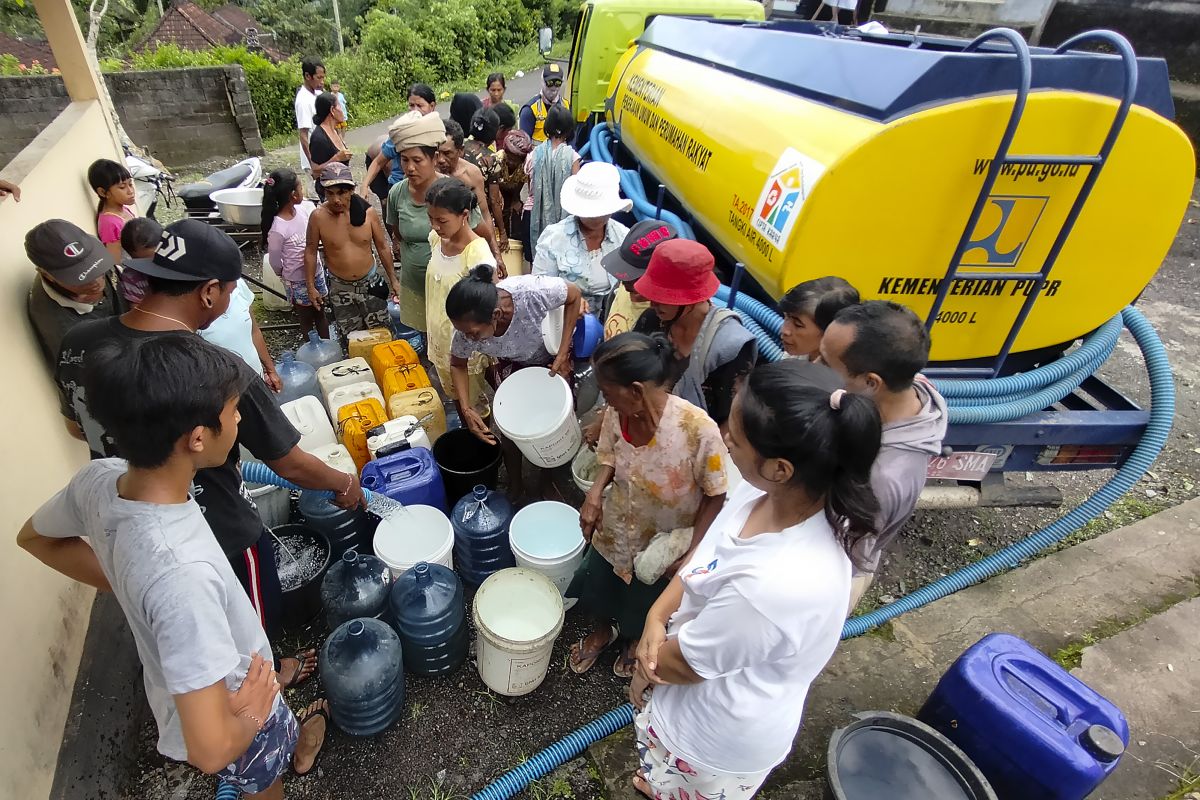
pixel 731 647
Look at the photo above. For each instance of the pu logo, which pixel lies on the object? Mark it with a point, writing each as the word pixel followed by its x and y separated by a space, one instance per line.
pixel 783 195
pixel 782 198
pixel 1003 230
pixel 172 248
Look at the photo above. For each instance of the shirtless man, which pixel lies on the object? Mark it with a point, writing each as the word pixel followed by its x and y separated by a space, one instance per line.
pixel 450 162
pixel 347 226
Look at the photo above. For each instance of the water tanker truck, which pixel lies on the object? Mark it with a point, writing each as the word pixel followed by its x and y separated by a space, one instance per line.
pixel 1016 198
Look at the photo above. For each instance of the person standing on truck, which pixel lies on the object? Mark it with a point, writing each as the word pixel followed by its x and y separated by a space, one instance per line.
pixel 533 113
pixel 712 347
pixel 575 247
pixel 879 347
pixel 807 310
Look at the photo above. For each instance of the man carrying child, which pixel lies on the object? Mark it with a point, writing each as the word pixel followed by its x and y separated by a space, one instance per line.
pixel 170 403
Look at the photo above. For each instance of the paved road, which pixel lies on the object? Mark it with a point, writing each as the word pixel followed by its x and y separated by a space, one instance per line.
pixel 519 90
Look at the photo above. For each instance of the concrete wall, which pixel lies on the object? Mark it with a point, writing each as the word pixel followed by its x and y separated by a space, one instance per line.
pixel 1015 13
pixel 180 115
pixel 45 614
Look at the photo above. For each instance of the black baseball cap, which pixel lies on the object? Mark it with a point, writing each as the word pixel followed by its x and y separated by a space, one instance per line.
pixel 629 261
pixel 552 72
pixel 191 250
pixel 70 256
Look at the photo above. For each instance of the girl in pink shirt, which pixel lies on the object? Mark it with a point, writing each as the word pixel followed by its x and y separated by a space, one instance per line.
pixel 285 215
pixel 113 184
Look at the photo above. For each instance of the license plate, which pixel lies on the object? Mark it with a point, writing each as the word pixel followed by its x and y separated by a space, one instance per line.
pixel 966 466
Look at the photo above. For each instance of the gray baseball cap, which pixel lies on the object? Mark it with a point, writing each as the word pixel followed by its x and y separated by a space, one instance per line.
pixel 67 254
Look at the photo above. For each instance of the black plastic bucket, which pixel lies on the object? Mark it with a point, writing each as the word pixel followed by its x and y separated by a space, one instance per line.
pixel 302 596
pixel 465 462
pixel 885 755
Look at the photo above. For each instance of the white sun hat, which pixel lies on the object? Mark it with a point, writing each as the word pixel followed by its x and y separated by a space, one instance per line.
pixel 594 191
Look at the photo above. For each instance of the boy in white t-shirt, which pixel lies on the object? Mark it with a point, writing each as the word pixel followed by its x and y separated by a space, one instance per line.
pixel 306 107
pixel 171 404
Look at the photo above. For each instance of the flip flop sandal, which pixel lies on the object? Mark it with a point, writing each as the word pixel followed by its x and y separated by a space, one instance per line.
pixel 302 657
pixel 625 665
pixel 320 712
pixel 582 660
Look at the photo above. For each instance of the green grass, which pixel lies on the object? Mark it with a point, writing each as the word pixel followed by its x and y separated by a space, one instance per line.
pixel 434 791
pixel 551 788
pixel 1189 783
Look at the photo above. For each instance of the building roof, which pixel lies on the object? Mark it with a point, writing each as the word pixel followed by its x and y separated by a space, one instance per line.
pixel 192 28
pixel 27 50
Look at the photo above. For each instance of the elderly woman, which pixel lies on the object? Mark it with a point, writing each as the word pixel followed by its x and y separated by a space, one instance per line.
pixel 511 219
pixel 415 137
pixel 574 248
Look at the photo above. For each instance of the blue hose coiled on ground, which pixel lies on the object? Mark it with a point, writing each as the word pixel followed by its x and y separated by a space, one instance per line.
pixel 557 754
pixel 227 792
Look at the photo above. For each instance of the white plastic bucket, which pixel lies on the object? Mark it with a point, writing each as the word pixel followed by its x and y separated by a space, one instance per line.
pixel 308 416
pixel 352 393
pixel 419 533
pixel 546 537
pixel 583 465
pixel 518 613
pixel 274 503
pixel 535 410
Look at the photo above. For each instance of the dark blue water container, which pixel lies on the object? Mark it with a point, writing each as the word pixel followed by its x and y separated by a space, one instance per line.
pixel 344 529
pixel 410 477
pixel 355 586
pixel 480 522
pixel 401 331
pixel 428 609
pixel 362 670
pixel 1033 729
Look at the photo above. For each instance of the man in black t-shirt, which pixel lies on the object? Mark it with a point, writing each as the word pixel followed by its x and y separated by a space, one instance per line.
pixel 190 280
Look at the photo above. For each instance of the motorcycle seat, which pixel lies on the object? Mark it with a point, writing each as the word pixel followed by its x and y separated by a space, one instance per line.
pixel 225 179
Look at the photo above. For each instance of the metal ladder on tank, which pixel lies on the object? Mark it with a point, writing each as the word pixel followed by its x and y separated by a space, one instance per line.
pixel 1004 157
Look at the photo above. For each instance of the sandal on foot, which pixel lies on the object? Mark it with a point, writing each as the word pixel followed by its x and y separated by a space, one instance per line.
pixel 320 708
pixel 306 665
pixel 626 664
pixel 582 660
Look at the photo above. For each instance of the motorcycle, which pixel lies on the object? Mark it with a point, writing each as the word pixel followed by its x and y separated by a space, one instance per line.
pixel 151 182
pixel 197 199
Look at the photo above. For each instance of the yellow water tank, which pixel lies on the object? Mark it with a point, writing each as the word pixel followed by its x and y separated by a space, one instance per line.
pixel 361 343
pixel 390 354
pixel 354 420
pixel 804 155
pixel 404 378
pixel 425 405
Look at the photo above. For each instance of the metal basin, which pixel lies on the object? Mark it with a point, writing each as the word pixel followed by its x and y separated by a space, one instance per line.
pixel 239 206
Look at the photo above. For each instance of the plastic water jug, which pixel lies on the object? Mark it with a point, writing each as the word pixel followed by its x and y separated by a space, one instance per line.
pixel 343 373
pixel 353 393
pixel 277 299
pixel 319 352
pixel 1032 728
pixel 336 456
pixel 410 477
pixel 345 529
pixel 361 343
pixel 396 435
pixel 355 586
pixel 391 354
pixel 428 609
pixel 354 420
pixel 422 404
pixel 362 671
pixel 298 379
pixel 308 416
pixel 481 521
pixel 404 378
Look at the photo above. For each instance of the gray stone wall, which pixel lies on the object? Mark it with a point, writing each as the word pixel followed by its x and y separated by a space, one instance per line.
pixel 181 116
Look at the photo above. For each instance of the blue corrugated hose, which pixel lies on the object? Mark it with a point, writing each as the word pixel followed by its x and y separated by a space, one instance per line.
pixel 227 792
pixel 983 401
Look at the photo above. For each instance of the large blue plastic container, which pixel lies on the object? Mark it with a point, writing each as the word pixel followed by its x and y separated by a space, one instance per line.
pixel 429 612
pixel 344 529
pixel 298 379
pixel 1034 730
pixel 355 586
pixel 410 477
pixel 480 522
pixel 362 670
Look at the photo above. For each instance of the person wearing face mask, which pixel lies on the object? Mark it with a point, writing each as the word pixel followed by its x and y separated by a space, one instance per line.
pixel 533 114
pixel 189 281
pixel 712 347
pixel 73 283
pixel 880 348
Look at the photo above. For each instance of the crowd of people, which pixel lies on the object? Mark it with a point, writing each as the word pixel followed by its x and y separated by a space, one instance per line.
pixel 739 512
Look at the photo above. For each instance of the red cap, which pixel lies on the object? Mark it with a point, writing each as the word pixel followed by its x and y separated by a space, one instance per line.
pixel 680 273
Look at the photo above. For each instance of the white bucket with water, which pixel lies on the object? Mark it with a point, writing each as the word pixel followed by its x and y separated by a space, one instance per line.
pixel 308 416
pixel 546 537
pixel 518 613
pixel 274 503
pixel 535 410
pixel 418 533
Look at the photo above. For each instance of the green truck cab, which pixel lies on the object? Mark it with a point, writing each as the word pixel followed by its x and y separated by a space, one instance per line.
pixel 607 28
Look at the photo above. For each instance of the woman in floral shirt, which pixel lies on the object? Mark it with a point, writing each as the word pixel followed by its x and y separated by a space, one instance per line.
pixel 664 459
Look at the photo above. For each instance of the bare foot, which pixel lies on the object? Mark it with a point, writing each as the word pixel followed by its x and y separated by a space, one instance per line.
pixel 313 724
pixel 639 783
pixel 295 671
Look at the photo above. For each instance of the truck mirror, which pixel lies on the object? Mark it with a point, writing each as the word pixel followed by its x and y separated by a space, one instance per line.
pixel 545 41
